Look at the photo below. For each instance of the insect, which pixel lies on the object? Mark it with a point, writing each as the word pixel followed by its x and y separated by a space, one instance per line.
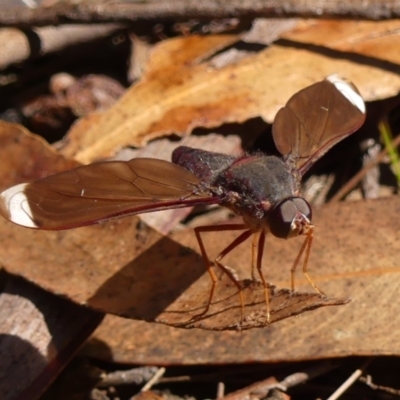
pixel 264 190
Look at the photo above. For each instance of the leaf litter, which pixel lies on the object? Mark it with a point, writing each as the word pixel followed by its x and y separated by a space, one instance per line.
pixel 372 268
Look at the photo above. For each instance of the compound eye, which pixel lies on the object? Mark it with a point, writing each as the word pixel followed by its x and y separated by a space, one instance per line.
pixel 281 217
pixel 303 207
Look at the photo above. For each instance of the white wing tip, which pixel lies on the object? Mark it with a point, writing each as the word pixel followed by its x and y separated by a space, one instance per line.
pixel 14 203
pixel 348 90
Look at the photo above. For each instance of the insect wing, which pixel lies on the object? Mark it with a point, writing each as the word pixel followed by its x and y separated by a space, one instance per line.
pixel 103 191
pixel 315 119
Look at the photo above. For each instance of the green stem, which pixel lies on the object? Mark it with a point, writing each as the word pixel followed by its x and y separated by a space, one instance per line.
pixel 387 137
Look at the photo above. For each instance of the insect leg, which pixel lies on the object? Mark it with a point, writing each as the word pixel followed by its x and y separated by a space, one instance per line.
pixel 305 264
pixel 254 245
pixel 307 248
pixel 260 253
pixel 219 228
pixel 229 272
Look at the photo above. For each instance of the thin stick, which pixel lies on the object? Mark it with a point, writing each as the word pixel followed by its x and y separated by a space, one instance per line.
pixel 220 390
pixel 135 376
pixel 154 379
pixel 387 138
pixel 262 388
pixel 348 382
pixel 104 10
pixel 352 183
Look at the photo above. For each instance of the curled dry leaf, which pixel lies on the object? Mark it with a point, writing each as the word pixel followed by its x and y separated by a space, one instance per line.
pixel 225 313
pixel 92 93
pixel 180 91
pixel 126 268
pixel 70 97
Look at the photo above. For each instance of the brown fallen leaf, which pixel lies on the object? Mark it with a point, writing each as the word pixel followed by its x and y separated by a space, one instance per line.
pixel 126 268
pixel 148 395
pixel 180 89
pixel 226 312
pixel 374 39
pixel 27 157
pixel 164 80
pixel 356 254
pixel 257 390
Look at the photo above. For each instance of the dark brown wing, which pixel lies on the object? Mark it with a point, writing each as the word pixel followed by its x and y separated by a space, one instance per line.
pixel 99 192
pixel 315 119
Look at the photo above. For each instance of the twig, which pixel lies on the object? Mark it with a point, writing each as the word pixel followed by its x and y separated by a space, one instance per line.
pixel 132 376
pixel 262 388
pixel 299 377
pixel 220 390
pixel 368 381
pixel 352 378
pixel 360 175
pixel 104 10
pixel 156 377
pixel 17 46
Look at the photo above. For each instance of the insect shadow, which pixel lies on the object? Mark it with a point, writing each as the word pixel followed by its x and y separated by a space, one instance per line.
pixel 149 284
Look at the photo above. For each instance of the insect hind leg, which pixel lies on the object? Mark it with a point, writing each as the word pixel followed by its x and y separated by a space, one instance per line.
pixel 230 273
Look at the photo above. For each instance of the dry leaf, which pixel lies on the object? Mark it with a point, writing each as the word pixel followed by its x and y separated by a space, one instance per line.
pixel 259 390
pixel 356 254
pixel 161 88
pixel 149 395
pixel 179 91
pixel 126 268
pixel 26 157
